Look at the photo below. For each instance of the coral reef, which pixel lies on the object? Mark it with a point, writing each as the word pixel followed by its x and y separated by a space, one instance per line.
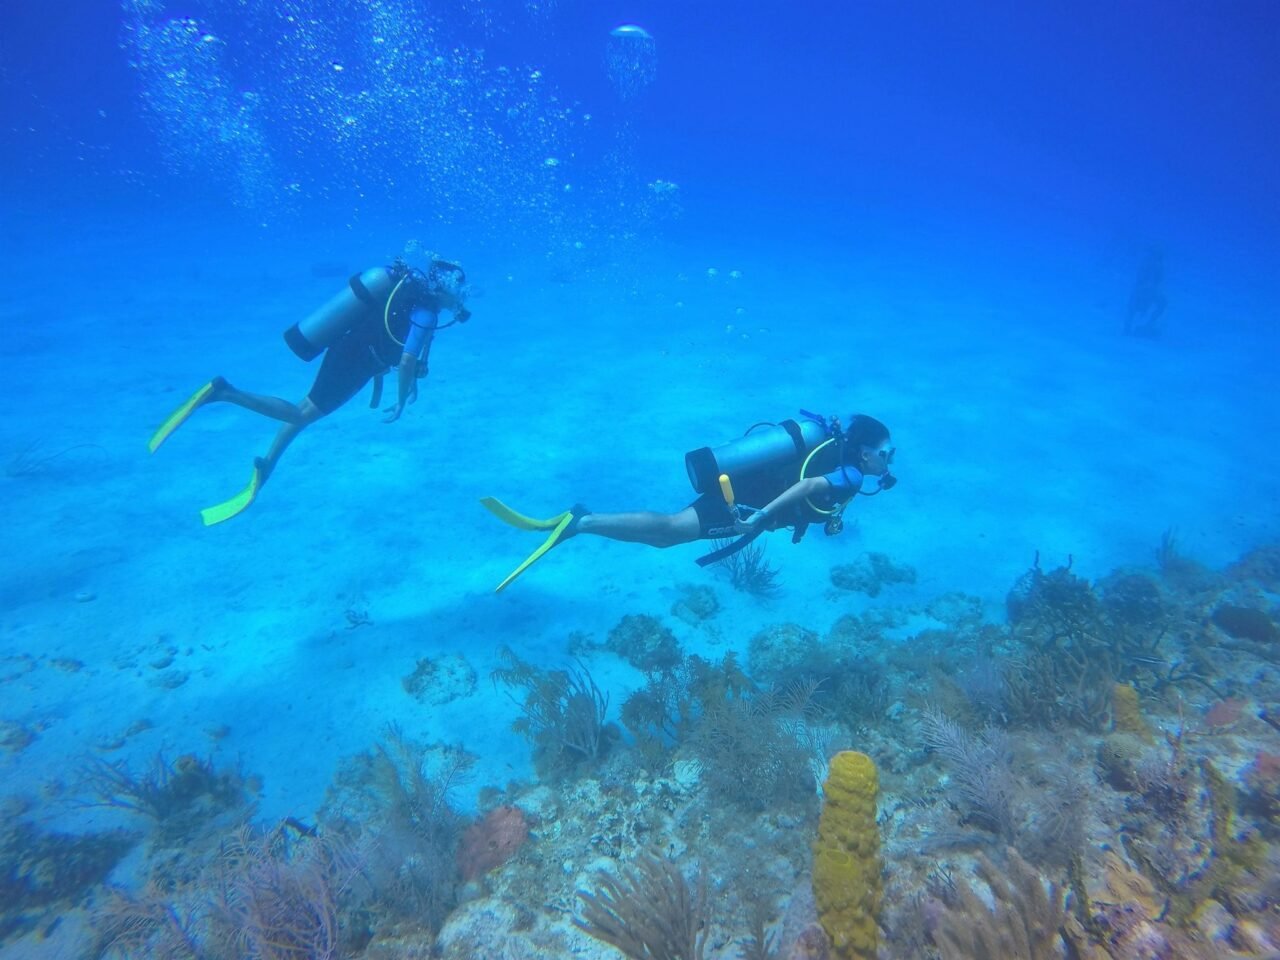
pixel 749 571
pixel 492 841
pixel 181 797
pixel 1097 778
pixel 1073 646
pixel 697 604
pixel 436 682
pixel 981 770
pixel 756 747
pixel 645 643
pixel 758 750
pixel 276 896
pixel 665 712
pixel 563 712
pixel 1261 783
pixel 870 574
pixel 15 737
pixel 782 652
pixel 395 805
pixel 1126 714
pixel 648 911
pixel 1246 623
pixel 1024 923
pixel 1260 566
pixel 42 872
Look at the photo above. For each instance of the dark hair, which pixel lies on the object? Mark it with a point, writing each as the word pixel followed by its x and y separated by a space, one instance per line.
pixel 865 431
pixel 439 266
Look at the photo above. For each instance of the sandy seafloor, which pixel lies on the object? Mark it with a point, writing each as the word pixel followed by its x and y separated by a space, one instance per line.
pixel 1023 423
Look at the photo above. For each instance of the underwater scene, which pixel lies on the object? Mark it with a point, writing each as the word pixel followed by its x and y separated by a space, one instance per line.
pixel 515 479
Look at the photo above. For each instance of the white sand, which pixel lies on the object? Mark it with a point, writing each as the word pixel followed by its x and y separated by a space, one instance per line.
pixel 1023 423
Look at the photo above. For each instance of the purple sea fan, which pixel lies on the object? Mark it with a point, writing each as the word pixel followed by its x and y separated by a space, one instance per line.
pixel 281 896
pixel 981 770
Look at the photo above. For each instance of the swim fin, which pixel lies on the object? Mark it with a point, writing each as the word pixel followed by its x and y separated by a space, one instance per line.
pixel 179 416
pixel 566 525
pixel 519 520
pixel 240 502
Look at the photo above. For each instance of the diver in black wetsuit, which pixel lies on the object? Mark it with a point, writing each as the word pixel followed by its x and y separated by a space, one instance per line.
pixel 789 474
pixel 1147 301
pixel 386 318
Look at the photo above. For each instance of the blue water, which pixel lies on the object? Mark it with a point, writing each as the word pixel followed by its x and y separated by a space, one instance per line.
pixel 935 214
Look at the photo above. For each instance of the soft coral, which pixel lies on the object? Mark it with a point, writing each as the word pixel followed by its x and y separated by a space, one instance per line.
pixel 492 841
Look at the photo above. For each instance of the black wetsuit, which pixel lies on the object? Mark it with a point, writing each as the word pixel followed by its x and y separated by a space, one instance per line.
pixel 758 490
pixel 367 350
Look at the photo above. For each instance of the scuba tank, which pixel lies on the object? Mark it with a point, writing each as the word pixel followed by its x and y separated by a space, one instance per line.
pixel 764 446
pixel 812 446
pixel 309 338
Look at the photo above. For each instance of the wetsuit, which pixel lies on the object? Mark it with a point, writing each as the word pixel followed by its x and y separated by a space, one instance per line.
pixel 715 520
pixel 366 350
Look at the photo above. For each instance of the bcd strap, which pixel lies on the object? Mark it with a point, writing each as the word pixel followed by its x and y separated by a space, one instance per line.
pixel 797 437
pixel 361 291
pixel 376 397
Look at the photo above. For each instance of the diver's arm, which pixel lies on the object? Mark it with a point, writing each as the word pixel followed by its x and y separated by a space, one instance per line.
pixel 417 344
pixel 406 386
pixel 808 487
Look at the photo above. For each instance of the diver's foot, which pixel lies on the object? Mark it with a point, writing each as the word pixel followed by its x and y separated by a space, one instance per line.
pixel 264 468
pixel 218 390
pixel 215 389
pixel 578 511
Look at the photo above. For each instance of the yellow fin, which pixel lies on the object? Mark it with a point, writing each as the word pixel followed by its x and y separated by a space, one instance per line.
pixel 557 534
pixel 179 416
pixel 237 504
pixel 519 520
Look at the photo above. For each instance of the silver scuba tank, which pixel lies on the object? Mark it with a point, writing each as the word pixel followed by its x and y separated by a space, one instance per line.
pixel 369 290
pixel 761 447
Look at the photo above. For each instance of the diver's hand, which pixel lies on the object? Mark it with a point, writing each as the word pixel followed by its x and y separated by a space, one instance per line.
pixel 393 413
pixel 751 524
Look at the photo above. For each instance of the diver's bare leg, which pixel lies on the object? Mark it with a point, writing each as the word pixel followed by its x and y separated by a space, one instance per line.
pixel 308 413
pixel 273 407
pixel 654 529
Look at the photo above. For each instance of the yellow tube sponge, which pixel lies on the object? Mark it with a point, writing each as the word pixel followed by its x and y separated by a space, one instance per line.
pixel 846 857
pixel 1126 714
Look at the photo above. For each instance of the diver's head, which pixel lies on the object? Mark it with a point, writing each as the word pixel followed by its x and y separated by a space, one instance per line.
pixel 448 282
pixel 867 445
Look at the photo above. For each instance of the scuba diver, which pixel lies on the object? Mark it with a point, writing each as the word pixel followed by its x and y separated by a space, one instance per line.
pixel 788 474
pixel 1146 300
pixel 385 317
